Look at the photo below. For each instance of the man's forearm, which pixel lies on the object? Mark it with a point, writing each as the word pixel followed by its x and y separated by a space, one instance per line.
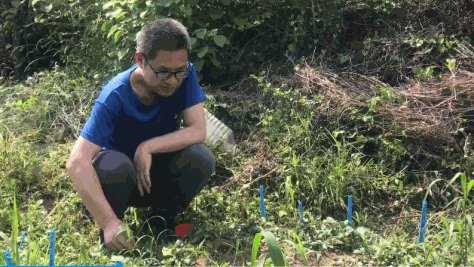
pixel 87 183
pixel 176 140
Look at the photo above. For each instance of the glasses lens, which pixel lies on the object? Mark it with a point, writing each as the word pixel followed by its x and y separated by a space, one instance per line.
pixel 163 75
pixel 167 75
pixel 182 75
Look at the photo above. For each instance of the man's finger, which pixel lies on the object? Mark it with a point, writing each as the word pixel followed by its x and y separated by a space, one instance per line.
pixel 148 182
pixel 148 179
pixel 140 189
pixel 111 247
pixel 145 183
pixel 124 241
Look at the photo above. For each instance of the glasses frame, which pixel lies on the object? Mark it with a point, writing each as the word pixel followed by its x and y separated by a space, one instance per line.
pixel 170 73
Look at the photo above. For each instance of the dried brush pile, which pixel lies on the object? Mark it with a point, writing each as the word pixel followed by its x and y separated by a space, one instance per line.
pixel 434 116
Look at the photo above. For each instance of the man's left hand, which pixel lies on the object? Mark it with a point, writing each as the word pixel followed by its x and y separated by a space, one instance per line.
pixel 142 164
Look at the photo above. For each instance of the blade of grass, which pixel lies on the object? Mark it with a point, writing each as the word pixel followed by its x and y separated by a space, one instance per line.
pixel 274 248
pixel 15 226
pixel 256 245
pixel 299 247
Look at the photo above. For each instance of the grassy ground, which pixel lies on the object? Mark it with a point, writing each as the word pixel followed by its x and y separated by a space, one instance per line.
pixel 284 146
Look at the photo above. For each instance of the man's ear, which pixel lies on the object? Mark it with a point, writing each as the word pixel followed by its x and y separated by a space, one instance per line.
pixel 140 59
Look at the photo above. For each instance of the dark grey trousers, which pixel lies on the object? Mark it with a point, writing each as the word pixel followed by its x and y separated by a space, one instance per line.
pixel 176 178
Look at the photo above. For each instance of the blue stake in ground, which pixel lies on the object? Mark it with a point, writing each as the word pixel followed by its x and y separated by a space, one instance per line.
pixel 51 249
pixel 262 204
pixel 300 207
pixel 8 258
pixel 421 236
pixel 22 239
pixel 349 209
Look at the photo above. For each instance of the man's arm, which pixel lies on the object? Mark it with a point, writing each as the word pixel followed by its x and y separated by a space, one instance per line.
pixel 193 132
pixel 84 177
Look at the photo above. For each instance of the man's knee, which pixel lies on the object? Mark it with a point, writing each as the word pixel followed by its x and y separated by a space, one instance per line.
pixel 202 156
pixel 114 167
pixel 197 157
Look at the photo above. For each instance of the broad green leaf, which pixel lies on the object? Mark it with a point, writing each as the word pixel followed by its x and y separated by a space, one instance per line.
pixel 105 26
pixel 187 10
pixel 117 36
pixel 120 15
pixel 192 2
pixel 15 3
pixel 168 2
pixel 143 14
pixel 116 12
pixel 240 21
pixel 226 2
pixel 167 252
pixel 112 30
pixel 216 13
pixel 216 62
pixel 107 5
pixel 203 52
pixel 469 186
pixel 47 8
pixel 199 64
pixel 451 64
pixel 220 40
pixel 449 44
pixel 193 40
pixel 200 33
pixel 122 53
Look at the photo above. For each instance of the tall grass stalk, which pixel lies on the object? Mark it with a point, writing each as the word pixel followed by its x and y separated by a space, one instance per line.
pixel 15 226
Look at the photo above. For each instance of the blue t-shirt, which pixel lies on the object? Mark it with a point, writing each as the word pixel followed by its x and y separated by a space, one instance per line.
pixel 120 121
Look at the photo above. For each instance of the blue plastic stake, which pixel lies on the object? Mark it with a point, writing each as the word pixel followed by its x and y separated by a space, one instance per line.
pixel 51 249
pixel 349 209
pixel 8 258
pixel 22 239
pixel 301 210
pixel 421 237
pixel 262 204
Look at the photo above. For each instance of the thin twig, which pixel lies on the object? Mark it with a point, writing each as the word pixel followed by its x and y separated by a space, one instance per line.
pixel 257 179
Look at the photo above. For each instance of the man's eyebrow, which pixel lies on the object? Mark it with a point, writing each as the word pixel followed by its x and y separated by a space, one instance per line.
pixel 178 68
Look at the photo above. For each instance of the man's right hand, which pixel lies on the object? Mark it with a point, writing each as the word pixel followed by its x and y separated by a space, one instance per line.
pixel 115 236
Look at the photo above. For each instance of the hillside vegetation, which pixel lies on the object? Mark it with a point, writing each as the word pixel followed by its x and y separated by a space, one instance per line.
pixel 373 99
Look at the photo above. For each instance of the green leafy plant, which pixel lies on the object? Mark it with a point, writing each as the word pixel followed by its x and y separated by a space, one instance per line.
pixel 273 247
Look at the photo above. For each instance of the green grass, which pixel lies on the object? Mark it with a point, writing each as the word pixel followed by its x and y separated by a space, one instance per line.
pixel 316 162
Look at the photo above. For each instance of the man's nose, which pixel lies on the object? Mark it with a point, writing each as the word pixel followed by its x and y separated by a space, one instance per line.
pixel 172 81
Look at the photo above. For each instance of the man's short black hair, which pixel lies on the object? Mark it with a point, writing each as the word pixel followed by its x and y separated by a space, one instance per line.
pixel 163 34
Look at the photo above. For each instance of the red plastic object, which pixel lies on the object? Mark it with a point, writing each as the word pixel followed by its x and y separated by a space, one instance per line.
pixel 184 229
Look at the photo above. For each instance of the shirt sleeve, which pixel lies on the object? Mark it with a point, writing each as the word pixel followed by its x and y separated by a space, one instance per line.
pixel 100 125
pixel 193 94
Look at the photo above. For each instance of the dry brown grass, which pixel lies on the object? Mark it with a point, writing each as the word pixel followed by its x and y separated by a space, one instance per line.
pixel 429 113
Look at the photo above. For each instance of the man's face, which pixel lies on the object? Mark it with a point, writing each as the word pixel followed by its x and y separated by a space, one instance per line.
pixel 165 61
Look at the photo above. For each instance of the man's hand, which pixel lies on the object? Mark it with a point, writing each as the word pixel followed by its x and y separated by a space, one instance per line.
pixel 115 235
pixel 142 164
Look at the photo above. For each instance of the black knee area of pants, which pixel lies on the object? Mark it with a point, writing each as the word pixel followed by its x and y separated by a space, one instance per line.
pixel 117 176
